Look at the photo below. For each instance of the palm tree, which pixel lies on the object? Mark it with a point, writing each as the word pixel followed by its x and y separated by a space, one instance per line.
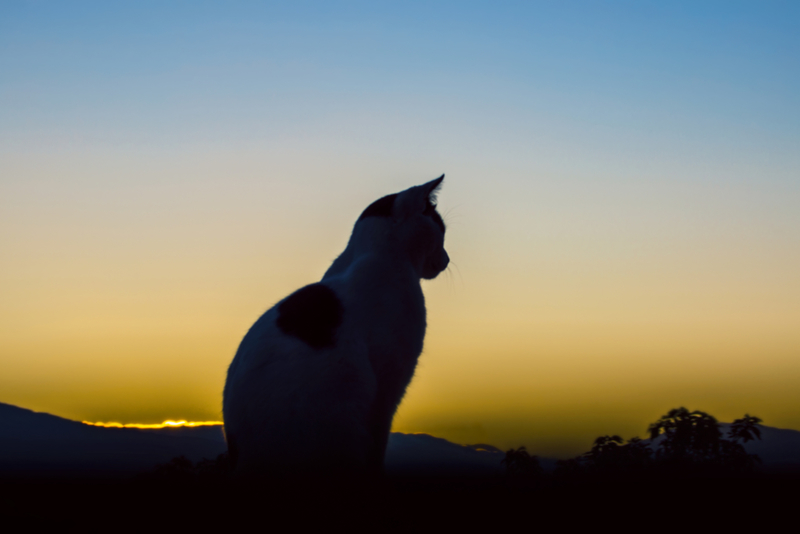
pixel 693 439
pixel 745 429
pixel 688 436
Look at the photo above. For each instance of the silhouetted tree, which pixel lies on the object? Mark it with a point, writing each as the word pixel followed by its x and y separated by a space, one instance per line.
pixel 520 464
pixel 570 468
pixel 693 440
pixel 605 449
pixel 687 436
pixel 734 455
pixel 681 442
pixel 612 453
pixel 745 429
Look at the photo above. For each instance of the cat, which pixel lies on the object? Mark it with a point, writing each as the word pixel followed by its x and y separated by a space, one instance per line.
pixel 317 379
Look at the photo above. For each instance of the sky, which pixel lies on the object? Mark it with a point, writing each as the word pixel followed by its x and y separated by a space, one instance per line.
pixel 622 198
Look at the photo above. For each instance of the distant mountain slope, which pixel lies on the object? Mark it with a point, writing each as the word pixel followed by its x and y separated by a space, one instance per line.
pixel 34 444
pixel 779 448
pixel 423 454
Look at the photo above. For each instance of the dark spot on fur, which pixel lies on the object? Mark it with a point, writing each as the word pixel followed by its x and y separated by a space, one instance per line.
pixel 311 314
pixel 430 211
pixel 380 208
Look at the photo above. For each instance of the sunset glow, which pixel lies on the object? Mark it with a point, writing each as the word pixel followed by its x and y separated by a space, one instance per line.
pixel 165 424
pixel 622 201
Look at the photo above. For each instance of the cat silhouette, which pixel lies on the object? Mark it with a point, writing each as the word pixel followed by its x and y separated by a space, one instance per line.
pixel 317 379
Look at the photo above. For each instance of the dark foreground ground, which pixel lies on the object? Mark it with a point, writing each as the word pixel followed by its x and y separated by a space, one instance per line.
pixel 693 504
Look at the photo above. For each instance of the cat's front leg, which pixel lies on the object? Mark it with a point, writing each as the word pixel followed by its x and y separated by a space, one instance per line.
pixel 380 426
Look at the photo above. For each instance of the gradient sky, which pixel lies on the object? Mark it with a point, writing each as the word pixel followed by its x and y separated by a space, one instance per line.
pixel 622 200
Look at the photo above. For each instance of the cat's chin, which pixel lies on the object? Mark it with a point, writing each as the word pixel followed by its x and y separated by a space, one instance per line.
pixel 433 268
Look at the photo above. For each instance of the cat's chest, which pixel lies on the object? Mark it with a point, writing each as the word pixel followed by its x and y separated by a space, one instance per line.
pixel 391 322
pixel 396 316
pixel 384 311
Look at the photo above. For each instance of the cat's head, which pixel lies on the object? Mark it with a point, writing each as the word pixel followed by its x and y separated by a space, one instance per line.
pixel 409 223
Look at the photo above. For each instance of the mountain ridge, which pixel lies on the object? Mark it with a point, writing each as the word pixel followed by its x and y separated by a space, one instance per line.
pixel 41 444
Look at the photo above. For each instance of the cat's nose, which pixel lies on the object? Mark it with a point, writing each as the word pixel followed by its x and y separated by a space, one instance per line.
pixel 445 259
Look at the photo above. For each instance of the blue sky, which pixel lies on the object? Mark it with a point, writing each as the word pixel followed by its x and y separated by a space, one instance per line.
pixel 646 73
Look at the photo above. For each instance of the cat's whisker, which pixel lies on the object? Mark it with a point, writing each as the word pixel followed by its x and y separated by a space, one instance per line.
pixel 460 277
pixel 449 216
pixel 451 276
pixel 451 280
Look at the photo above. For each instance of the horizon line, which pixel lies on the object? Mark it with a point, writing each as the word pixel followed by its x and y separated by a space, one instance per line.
pixel 165 424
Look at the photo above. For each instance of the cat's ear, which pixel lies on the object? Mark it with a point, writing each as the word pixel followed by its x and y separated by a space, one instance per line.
pixel 416 199
pixel 433 188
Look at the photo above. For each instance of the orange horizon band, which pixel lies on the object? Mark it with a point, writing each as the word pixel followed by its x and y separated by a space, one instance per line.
pixel 165 424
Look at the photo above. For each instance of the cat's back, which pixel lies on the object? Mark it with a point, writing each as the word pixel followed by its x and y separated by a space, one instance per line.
pixel 306 319
pixel 297 379
pixel 301 332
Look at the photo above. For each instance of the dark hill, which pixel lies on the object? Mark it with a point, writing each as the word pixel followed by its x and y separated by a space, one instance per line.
pixel 40 444
pixel 33 443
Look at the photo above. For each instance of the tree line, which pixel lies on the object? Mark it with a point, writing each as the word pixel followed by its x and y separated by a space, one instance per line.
pixel 681 442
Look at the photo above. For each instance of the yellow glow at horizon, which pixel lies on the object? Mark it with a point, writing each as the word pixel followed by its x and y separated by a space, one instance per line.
pixel 127 300
pixel 165 424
